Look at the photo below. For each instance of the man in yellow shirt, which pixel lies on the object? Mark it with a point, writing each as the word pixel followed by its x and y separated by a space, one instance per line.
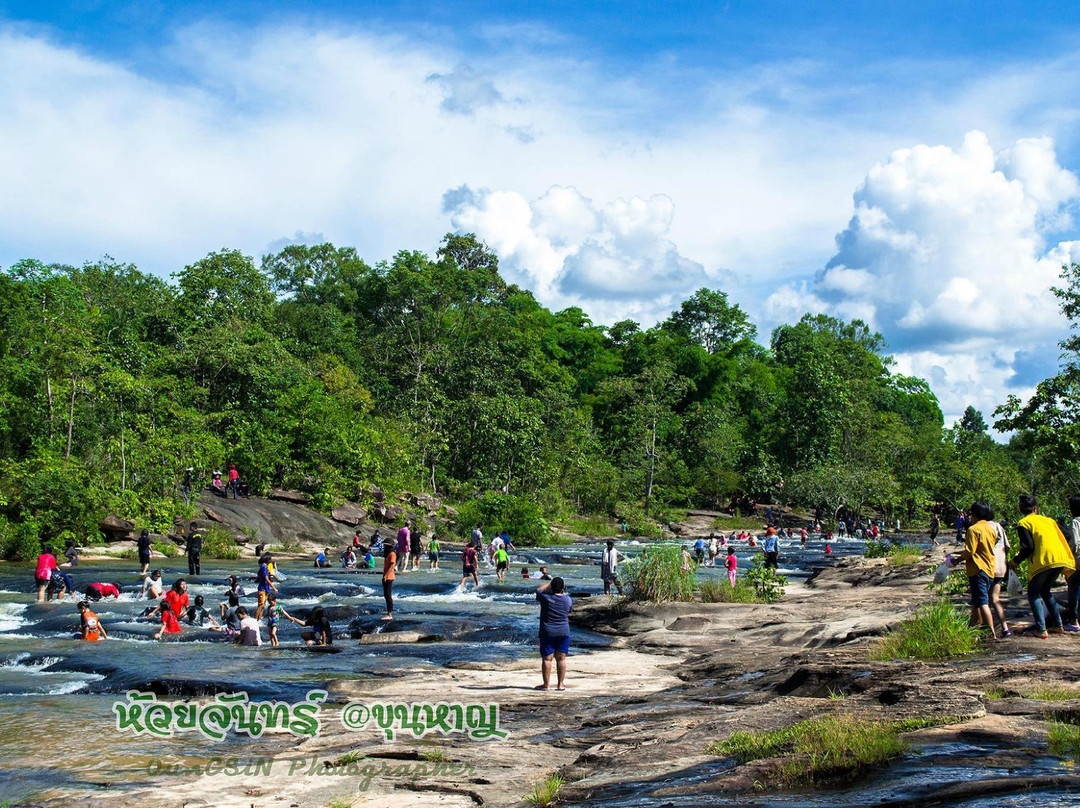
pixel 978 557
pixel 1043 546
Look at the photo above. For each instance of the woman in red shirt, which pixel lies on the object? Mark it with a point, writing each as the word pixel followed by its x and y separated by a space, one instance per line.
pixel 46 563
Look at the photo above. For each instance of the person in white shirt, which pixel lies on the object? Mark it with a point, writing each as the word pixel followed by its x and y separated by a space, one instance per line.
pixel 249 629
pixel 153 586
pixel 609 565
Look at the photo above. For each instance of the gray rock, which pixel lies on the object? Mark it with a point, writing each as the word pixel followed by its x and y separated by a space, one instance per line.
pixel 349 513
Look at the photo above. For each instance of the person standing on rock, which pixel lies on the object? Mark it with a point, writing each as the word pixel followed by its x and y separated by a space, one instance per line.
pixel 402 552
pixel 1043 546
pixel 978 558
pixel 609 568
pixel 194 552
pixel 234 481
pixel 555 606
pixel 935 526
pixel 389 567
pixel 416 547
pixel 144 551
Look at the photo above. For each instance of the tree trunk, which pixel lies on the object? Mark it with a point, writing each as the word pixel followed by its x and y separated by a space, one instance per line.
pixel 651 452
pixel 123 454
pixel 71 417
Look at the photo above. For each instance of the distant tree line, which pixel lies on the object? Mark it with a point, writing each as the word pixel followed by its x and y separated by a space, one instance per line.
pixel 318 370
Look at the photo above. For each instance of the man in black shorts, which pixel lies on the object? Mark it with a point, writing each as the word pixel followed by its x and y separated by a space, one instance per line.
pixel 468 567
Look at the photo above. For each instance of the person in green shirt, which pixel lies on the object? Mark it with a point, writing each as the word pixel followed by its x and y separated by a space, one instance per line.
pixel 433 553
pixel 502 563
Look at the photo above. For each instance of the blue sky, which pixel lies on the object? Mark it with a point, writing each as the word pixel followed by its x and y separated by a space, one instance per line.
pixel 913 164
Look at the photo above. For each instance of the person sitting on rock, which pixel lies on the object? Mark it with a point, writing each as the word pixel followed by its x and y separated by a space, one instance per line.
pixel 217 485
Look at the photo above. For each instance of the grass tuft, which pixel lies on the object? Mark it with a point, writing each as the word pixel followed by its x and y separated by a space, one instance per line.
pixel 714 590
pixel 937 631
pixel 822 750
pixel 903 554
pixel 435 756
pixel 1063 739
pixel 658 577
pixel 546 792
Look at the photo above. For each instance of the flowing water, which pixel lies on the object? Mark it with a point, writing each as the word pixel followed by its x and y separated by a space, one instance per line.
pixel 57 728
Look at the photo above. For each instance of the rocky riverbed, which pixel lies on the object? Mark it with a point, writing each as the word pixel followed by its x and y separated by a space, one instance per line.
pixel 641 708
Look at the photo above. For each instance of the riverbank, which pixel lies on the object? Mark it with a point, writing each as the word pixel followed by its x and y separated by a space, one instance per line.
pixel 637 717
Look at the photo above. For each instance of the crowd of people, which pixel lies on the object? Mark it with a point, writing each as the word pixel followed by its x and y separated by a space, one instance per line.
pixel 1048 551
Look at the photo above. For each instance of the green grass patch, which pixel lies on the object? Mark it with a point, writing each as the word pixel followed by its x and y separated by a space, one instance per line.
pixel 903 554
pixel 658 577
pixel 728 523
pixel 994 693
pixel 1063 739
pixel 166 548
pixel 938 630
pixel 715 590
pixel 1052 693
pixel 546 792
pixel 913 724
pixel 435 756
pixel 819 751
pixel 339 802
pixel 130 554
pixel 349 757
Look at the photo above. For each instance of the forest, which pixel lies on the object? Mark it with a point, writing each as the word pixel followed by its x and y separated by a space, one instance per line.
pixel 316 370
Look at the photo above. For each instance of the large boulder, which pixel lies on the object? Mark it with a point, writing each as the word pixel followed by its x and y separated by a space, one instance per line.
pixel 349 513
pixel 115 529
pixel 284 495
pixel 387 513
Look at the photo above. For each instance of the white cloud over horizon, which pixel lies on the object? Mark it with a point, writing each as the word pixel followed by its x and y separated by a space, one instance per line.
pixel 617 193
pixel 949 254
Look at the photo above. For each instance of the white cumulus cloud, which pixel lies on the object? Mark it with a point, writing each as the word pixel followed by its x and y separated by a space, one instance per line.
pixel 948 254
pixel 570 250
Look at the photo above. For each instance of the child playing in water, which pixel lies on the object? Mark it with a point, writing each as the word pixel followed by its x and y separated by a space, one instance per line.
pixel 99 591
pixel 273 617
pixel 90 627
pixel 320 631
pixel 433 553
pixel 198 615
pixel 169 623
pixel 732 563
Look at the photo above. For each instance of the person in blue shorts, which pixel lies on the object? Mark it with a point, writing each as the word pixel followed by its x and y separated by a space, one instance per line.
pixel 555 606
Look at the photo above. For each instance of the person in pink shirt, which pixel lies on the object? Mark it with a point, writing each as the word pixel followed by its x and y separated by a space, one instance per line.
pixel 46 563
pixel 731 563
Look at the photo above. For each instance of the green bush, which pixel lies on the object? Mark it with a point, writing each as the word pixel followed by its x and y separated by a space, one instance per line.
pixel 601 526
pixel 519 516
pixel 876 549
pixel 937 631
pixel 657 577
pixel 20 541
pixel 638 523
pixel 768 585
pixel 220 543
pixel 166 548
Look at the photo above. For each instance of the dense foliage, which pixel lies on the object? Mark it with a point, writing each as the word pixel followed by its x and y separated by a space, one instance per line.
pixel 317 370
